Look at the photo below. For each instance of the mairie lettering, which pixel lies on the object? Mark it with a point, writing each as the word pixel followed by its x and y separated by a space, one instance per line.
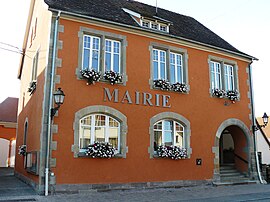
pixel 138 98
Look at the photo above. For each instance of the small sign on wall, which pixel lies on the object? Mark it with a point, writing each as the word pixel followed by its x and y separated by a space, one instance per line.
pixel 198 162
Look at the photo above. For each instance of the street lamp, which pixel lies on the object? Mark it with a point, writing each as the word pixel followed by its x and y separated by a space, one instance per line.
pixel 59 97
pixel 265 122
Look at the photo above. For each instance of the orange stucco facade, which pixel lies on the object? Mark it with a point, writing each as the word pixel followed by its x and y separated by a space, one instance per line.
pixel 206 114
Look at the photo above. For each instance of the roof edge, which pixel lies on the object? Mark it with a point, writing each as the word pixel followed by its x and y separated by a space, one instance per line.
pixel 252 58
pixel 26 35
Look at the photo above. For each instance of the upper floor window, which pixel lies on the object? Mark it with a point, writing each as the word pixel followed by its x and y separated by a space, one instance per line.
pixel 215 75
pixel 112 55
pixel 99 128
pixel 35 67
pixel 159 63
pixel 229 77
pixel 223 78
pixel 169 69
pixel 176 68
pixel 103 53
pixel 91 52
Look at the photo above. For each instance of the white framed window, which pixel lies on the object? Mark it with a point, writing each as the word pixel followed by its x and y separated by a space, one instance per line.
pixel 163 28
pixel 170 64
pixel 229 77
pixel 91 52
pixel 223 77
pixel 159 64
pixel 112 55
pixel 99 128
pixel 154 25
pixel 145 23
pixel 215 75
pixel 176 68
pixel 168 132
pixel 35 67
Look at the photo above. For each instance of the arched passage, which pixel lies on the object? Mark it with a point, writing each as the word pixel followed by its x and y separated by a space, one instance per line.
pixel 233 144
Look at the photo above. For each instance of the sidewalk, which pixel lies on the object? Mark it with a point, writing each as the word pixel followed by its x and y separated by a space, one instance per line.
pixel 12 189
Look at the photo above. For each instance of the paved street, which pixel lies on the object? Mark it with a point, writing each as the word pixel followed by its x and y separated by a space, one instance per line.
pixel 12 189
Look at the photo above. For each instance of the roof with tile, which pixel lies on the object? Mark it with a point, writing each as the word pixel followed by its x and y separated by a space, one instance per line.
pixel 8 110
pixel 112 10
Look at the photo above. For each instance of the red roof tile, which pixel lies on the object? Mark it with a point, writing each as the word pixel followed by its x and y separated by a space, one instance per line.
pixel 8 110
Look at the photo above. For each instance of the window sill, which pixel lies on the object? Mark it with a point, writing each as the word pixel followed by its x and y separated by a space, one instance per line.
pixel 155 156
pixel 102 79
pixel 83 155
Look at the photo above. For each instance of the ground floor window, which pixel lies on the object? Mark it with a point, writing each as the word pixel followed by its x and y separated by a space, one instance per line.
pixel 101 124
pixel 99 128
pixel 168 132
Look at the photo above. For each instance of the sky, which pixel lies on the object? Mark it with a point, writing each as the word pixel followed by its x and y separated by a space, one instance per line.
pixel 245 24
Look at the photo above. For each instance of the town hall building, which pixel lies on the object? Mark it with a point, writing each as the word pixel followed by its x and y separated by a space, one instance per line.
pixel 152 98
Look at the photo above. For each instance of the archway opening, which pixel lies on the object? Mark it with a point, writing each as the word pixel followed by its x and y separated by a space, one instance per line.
pixel 233 147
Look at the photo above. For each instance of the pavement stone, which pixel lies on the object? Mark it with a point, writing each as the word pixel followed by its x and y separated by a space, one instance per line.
pixel 12 189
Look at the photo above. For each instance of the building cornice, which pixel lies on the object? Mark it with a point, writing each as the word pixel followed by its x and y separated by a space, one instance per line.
pixel 154 35
pixel 8 124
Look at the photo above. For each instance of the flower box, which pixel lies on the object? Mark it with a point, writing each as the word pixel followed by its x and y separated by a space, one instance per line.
pixel 32 87
pixel 91 76
pixel 180 87
pixel 232 95
pixel 162 84
pixel 22 150
pixel 173 152
pixel 219 93
pixel 100 150
pixel 113 77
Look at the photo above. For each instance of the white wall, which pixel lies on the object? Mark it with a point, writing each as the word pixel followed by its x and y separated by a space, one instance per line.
pixel 4 151
pixel 12 153
pixel 263 147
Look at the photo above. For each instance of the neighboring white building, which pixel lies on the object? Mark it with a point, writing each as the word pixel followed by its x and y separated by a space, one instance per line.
pixel 263 143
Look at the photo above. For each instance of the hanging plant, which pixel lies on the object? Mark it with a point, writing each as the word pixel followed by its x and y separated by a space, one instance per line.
pixel 22 150
pixel 100 150
pixel 232 95
pixel 173 152
pixel 32 87
pixel 90 75
pixel 219 93
pixel 180 87
pixel 162 84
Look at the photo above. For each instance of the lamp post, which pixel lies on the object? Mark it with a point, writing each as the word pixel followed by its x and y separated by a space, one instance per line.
pixel 265 122
pixel 59 97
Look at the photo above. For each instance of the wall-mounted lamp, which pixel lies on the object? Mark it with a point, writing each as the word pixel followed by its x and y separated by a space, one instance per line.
pixel 59 97
pixel 265 122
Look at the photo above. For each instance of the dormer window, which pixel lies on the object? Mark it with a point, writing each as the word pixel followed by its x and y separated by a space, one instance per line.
pixel 163 28
pixel 154 25
pixel 145 23
pixel 154 22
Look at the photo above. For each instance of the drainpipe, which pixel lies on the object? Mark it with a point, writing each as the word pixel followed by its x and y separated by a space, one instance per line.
pixel 254 123
pixel 47 163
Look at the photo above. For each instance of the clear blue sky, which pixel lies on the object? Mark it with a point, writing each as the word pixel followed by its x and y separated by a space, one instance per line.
pixel 243 23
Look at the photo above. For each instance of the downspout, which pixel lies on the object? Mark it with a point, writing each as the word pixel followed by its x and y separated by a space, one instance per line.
pixel 254 123
pixel 47 163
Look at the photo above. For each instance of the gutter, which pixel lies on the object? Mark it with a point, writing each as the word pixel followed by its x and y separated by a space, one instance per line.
pixel 47 157
pixel 155 32
pixel 254 124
